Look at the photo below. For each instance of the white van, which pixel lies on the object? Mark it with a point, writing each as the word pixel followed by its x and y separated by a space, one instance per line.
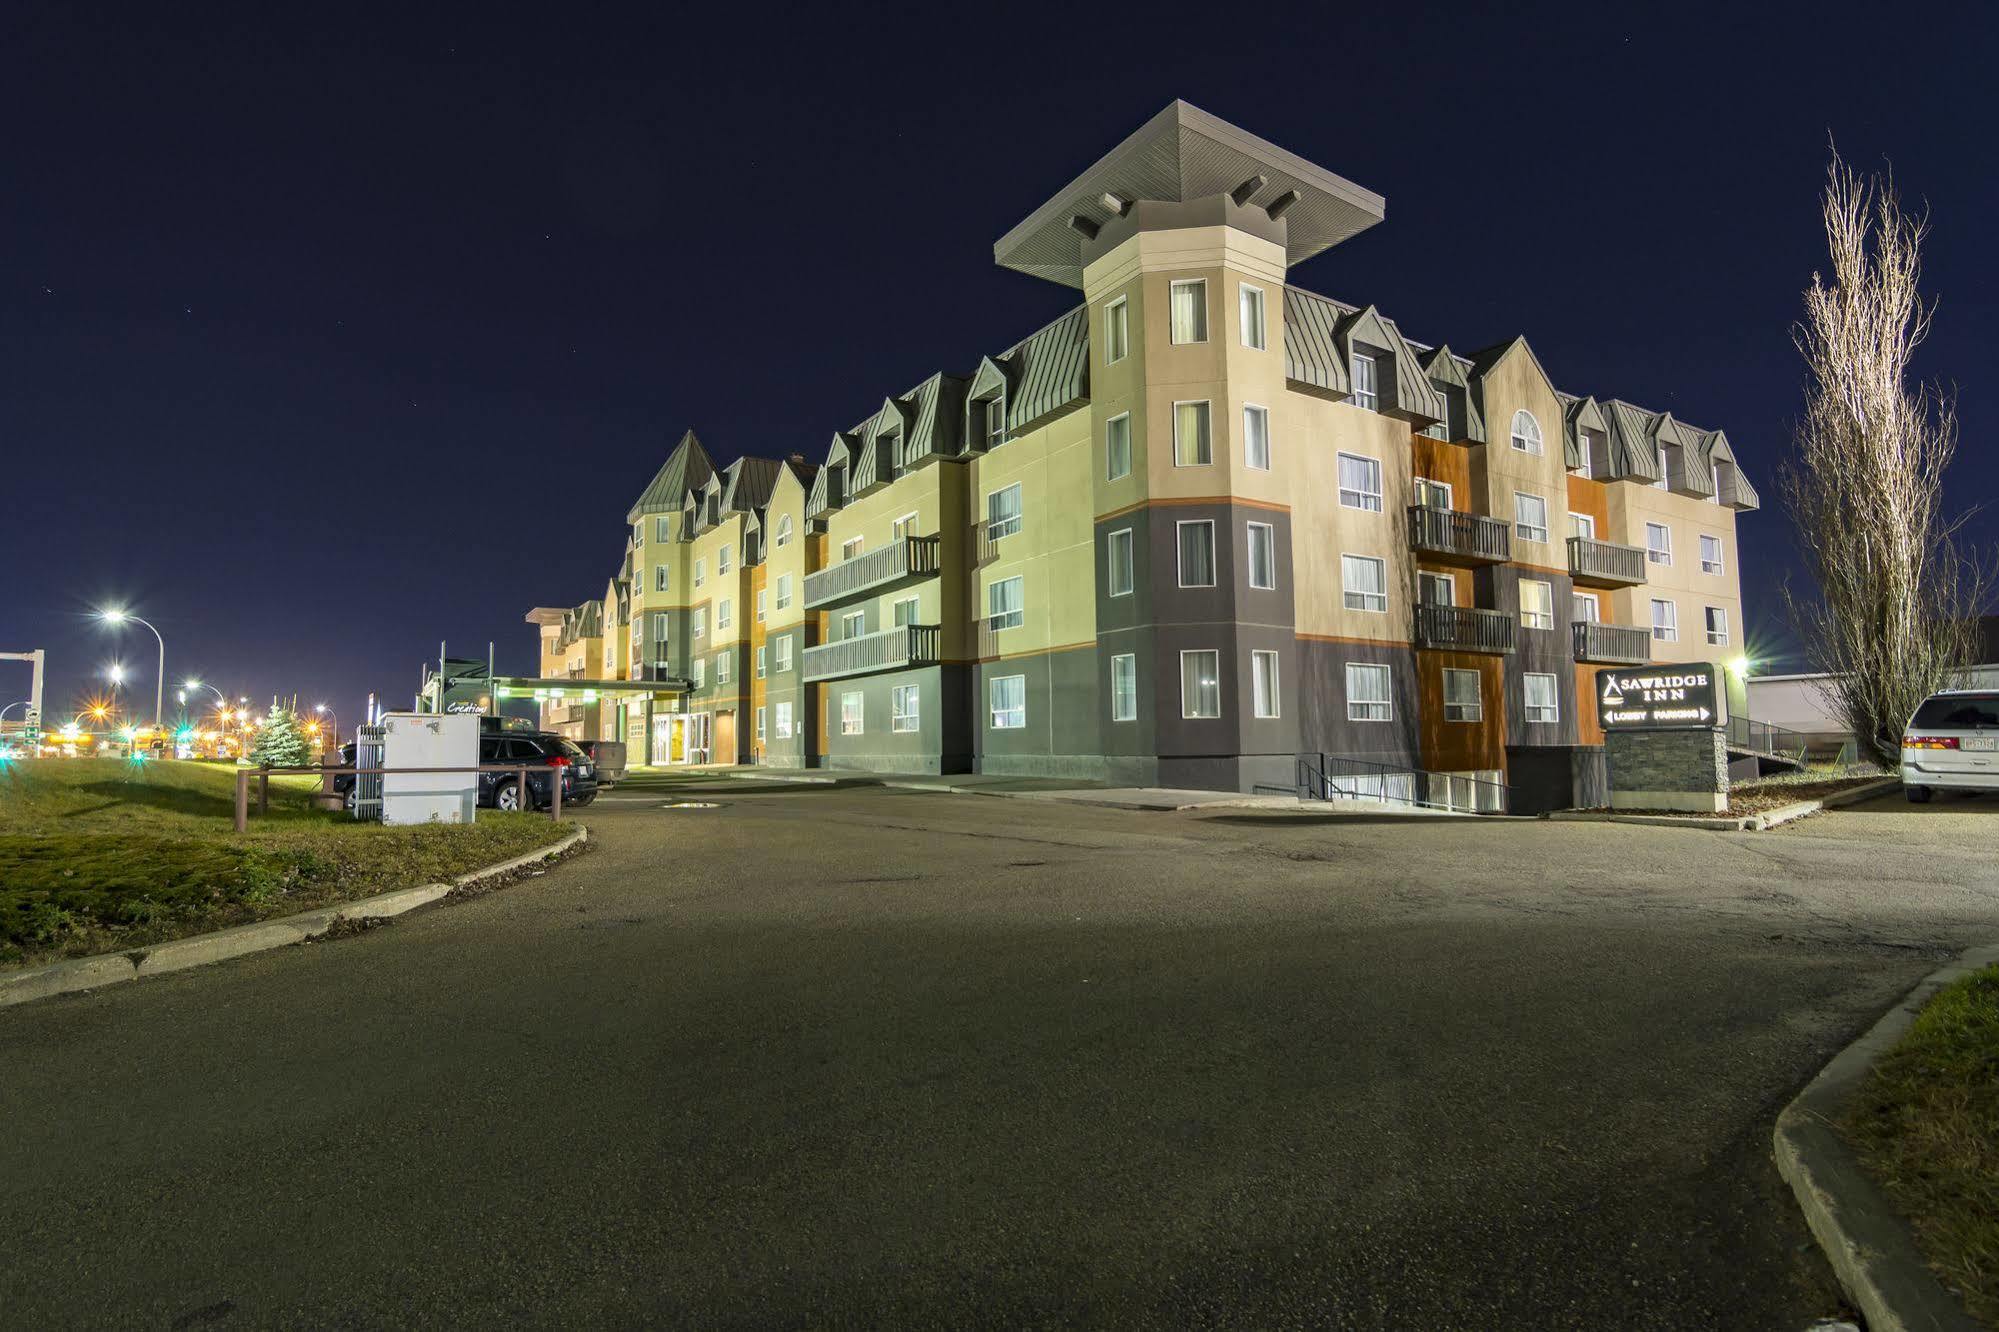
pixel 1952 744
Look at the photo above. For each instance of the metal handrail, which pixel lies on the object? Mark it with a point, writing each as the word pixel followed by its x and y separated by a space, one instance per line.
pixel 520 771
pixel 1456 532
pixel 1315 782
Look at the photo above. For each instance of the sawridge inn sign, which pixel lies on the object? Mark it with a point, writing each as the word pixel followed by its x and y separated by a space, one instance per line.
pixel 1660 698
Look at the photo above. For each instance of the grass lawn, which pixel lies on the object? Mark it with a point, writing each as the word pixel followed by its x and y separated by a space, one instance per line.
pixel 1927 1125
pixel 103 854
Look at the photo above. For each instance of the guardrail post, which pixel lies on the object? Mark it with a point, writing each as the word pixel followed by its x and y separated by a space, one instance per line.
pixel 555 794
pixel 521 789
pixel 242 800
pixel 264 791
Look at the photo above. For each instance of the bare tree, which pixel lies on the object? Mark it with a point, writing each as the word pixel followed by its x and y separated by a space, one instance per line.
pixel 1899 595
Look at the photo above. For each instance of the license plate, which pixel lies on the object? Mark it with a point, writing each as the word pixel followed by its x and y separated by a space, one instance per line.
pixel 1979 744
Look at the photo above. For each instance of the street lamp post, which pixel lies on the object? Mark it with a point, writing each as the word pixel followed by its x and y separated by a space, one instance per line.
pixel 159 681
pixel 321 707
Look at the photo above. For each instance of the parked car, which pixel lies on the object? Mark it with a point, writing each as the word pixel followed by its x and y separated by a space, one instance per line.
pixel 344 782
pixel 609 758
pixel 1952 744
pixel 547 756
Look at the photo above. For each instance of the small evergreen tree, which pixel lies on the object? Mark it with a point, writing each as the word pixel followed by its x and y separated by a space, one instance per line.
pixel 280 742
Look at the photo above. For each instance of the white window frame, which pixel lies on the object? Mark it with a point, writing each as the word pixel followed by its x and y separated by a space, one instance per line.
pixel 1582 525
pixel 1425 485
pixel 763 660
pixel 1524 530
pixel 1201 312
pixel 855 722
pixel 1429 578
pixel 915 604
pixel 782 663
pixel 725 613
pixel 1528 440
pixel 1269 531
pixel 1386 703
pixel 1112 541
pixel 1117 330
pixel 783 591
pixel 905 709
pixel 1124 691
pixel 1216 656
pixel 763 599
pixel 662 628
pixel 784 531
pixel 698 626
pixel 1348 593
pixel 1668 629
pixel 1719 564
pixel 1180 551
pixel 1541 619
pixel 1014 617
pixel 1207 440
pixel 1366 386
pixel 1113 471
pixel 853 624
pixel 1662 553
pixel 1008 524
pixel 784 721
pixel 1250 316
pixel 662 578
pixel 1007 718
pixel 1594 604
pixel 1553 707
pixel 700 572
pixel 904 526
pixel 700 670
pixel 851 547
pixel 1256 436
pixel 1361 497
pixel 722 558
pixel 1458 710
pixel 662 527
pixel 1716 637
pixel 724 667
pixel 1265 698
pixel 761 719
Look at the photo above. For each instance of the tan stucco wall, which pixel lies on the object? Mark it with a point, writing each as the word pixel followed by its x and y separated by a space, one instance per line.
pixel 1631 505
pixel 1052 553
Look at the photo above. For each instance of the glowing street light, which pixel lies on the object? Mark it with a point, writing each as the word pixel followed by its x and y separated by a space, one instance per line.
pixel 118 616
pixel 329 712
pixel 115 673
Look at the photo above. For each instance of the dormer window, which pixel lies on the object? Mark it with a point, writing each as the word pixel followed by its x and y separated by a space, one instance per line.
pixel 888 456
pixel 991 420
pixel 1440 429
pixel 1526 432
pixel 1671 468
pixel 784 530
pixel 1366 383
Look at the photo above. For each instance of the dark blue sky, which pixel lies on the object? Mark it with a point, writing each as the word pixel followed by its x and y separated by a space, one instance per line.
pixel 327 337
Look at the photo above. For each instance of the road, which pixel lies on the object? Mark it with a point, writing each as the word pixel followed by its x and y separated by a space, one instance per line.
pixel 855 1056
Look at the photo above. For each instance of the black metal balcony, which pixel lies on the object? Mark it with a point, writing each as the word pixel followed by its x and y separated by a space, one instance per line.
pixel 1464 629
pixel 883 569
pixel 894 649
pixel 1596 563
pixel 1455 537
pixel 1614 644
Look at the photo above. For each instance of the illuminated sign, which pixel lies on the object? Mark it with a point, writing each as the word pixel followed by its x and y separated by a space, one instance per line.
pixel 1660 698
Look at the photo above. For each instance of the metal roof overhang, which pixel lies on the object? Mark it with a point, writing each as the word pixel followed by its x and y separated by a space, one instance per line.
pixel 520 685
pixel 1181 154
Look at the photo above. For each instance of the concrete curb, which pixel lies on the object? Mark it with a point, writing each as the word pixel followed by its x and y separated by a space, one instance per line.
pixel 1868 1244
pixel 90 973
pixel 1768 819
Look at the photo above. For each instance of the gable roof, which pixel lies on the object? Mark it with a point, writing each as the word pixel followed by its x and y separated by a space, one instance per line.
pixel 685 469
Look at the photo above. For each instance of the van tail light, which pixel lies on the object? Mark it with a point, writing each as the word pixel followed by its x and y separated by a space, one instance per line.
pixel 1929 742
pixel 562 761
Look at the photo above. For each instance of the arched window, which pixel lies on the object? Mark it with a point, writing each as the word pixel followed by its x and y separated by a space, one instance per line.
pixel 1526 432
pixel 784 530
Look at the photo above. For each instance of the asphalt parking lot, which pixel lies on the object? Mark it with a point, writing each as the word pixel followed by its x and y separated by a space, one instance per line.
pixel 855 1056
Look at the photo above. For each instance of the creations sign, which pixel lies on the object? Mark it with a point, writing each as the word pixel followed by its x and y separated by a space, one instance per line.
pixel 1660 698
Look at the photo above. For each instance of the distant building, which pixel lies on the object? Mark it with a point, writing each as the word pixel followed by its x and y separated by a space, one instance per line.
pixel 1200 526
pixel 1799 702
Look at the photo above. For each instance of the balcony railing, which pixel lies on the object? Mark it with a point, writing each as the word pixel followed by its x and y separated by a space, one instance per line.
pixel 1617 644
pixel 1605 563
pixel 1451 534
pixel 889 650
pixel 1464 628
pixel 904 560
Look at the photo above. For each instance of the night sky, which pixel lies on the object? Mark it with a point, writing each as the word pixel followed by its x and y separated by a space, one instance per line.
pixel 326 339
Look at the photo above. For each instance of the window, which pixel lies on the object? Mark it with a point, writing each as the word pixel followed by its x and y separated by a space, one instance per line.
pixel 784 721
pixel 700 665
pixel 662 528
pixel 725 611
pixel 853 624
pixel 1665 621
pixel 852 712
pixel 1117 447
pixel 1360 482
pixel 724 667
pixel 1582 525
pixel 722 558
pixel 783 655
pixel 1586 452
pixel 1124 687
pixel 784 530
pixel 1658 543
pixel 1190 310
pixel 662 578
pixel 1117 331
pixel 1364 580
pixel 1462 701
pixel 1366 391
pixel 1530 516
pixel 1717 626
pixel 1437 589
pixel 1249 309
pixel 851 547
pixel 905 526
pixel 783 591
pixel 762 655
pixel 1588 608
pixel 1197 552
pixel 700 572
pixel 1263 683
pixel 1367 692
pixel 698 622
pixel 1003 512
pixel 1537 604
pixel 1118 568
pixel 1005 603
pixel 992 420
pixel 639 535
pixel 1006 696
pixel 1526 432
pixel 762 597
pixel 905 611
pixel 661 626
pixel 1256 438
pixel 1441 427
pixel 1433 494
pixel 1538 693
pixel 1262 555
pixel 1190 435
pixel 1710 554
pixel 905 708
pixel 1201 683
pixel 760 724
pixel 1671 468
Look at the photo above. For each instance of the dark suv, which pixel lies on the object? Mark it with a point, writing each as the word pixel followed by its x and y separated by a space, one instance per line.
pixel 546 756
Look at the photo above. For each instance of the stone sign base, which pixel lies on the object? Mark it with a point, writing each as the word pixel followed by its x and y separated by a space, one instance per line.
pixel 1684 770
